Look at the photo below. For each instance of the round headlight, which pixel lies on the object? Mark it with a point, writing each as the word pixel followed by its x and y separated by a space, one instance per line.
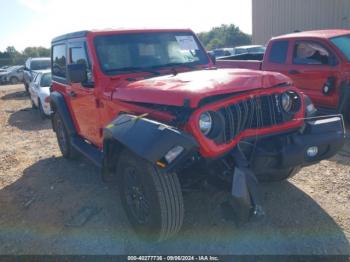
pixel 287 102
pixel 205 123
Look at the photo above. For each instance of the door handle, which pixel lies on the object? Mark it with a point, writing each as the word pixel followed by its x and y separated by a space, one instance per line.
pixel 293 72
pixel 72 94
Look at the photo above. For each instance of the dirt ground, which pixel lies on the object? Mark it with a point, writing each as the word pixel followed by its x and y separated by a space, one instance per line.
pixel 49 205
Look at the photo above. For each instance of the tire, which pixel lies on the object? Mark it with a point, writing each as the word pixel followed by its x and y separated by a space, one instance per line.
pixel 14 80
pixel 63 138
pixel 33 105
pixel 41 111
pixel 278 175
pixel 152 200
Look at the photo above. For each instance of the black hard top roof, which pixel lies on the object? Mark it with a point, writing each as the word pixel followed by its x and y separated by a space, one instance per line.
pixel 70 36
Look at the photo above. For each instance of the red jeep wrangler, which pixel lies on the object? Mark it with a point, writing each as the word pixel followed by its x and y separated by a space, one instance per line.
pixel 318 62
pixel 149 108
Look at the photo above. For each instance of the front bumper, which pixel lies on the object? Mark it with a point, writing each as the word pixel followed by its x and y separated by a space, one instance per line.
pixel 287 151
pixel 281 154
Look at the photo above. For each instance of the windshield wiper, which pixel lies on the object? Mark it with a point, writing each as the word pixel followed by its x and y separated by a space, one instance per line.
pixel 133 70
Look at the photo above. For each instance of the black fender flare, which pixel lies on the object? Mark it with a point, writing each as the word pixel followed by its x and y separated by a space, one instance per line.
pixel 149 139
pixel 58 103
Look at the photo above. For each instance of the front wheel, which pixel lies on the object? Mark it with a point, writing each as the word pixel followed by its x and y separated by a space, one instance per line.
pixel 33 104
pixel 152 200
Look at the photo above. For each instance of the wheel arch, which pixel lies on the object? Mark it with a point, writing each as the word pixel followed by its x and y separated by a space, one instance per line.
pixel 58 104
pixel 151 140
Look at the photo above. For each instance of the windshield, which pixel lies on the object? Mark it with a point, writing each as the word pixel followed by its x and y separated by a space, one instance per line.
pixel 46 80
pixel 343 44
pixel 136 52
pixel 40 64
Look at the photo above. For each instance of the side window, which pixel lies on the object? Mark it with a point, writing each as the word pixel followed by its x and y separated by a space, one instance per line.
pixel 59 61
pixel 78 55
pixel 278 52
pixel 310 53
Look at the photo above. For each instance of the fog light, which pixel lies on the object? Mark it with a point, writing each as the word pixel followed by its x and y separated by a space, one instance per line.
pixel 173 154
pixel 312 151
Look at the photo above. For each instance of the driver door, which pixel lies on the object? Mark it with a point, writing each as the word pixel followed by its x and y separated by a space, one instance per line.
pixel 82 97
pixel 313 67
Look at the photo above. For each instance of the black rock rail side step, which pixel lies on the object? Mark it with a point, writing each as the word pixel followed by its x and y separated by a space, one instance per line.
pixel 88 150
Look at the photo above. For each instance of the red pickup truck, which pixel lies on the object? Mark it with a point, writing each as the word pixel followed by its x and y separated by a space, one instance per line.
pixel 318 62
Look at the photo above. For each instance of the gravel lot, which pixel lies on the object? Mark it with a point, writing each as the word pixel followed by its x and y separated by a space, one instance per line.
pixel 50 205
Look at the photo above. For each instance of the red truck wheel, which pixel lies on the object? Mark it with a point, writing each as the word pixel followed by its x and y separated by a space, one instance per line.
pixel 63 138
pixel 152 200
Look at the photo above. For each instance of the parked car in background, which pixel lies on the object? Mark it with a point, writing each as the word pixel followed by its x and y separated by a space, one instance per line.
pixel 34 64
pixel 221 52
pixel 318 62
pixel 246 56
pixel 39 90
pixel 15 75
pixel 249 49
pixel 3 74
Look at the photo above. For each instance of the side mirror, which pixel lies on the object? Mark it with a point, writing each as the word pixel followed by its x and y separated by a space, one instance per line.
pixel 212 57
pixel 77 73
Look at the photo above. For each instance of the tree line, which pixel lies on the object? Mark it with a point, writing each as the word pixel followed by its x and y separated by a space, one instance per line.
pixel 217 37
pixel 13 57
pixel 224 36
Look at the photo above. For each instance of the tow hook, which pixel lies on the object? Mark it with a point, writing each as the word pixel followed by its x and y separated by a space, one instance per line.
pixel 245 201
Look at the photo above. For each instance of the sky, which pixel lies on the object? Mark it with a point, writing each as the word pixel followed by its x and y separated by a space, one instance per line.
pixel 35 22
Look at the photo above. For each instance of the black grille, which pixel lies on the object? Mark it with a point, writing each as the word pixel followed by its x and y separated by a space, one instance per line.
pixel 257 112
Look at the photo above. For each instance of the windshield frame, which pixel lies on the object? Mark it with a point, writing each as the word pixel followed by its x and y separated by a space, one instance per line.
pixel 347 58
pixel 148 69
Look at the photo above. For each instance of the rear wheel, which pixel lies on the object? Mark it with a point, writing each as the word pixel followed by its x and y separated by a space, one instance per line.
pixel 152 200
pixel 63 138
pixel 278 175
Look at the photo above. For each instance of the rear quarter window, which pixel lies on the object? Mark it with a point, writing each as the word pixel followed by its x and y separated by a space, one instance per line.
pixel 278 52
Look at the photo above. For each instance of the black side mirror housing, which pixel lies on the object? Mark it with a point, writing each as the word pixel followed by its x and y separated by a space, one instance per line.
pixel 212 57
pixel 77 73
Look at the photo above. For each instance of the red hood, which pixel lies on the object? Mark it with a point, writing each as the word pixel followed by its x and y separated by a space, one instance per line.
pixel 196 85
